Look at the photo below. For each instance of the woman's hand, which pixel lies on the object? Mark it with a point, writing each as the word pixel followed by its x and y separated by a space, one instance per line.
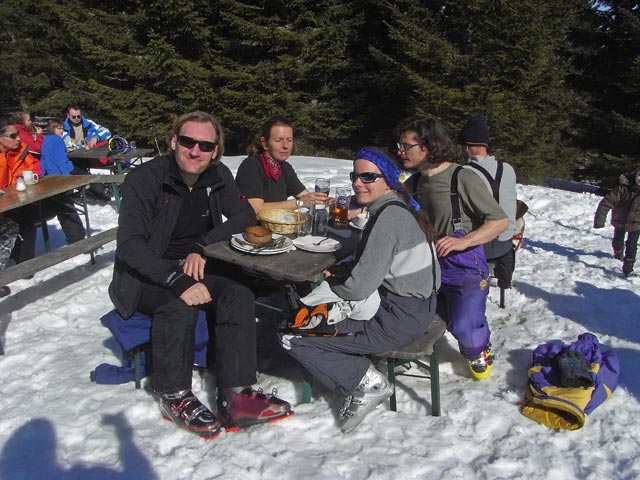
pixel 314 198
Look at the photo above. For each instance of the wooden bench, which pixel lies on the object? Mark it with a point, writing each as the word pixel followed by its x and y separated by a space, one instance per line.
pixel 46 260
pixel 425 348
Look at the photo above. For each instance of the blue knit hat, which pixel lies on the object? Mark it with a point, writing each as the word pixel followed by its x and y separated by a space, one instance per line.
pixel 387 166
pixel 475 132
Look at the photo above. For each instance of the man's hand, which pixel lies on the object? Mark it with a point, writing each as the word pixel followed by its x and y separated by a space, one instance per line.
pixel 446 245
pixel 194 266
pixel 196 295
pixel 92 142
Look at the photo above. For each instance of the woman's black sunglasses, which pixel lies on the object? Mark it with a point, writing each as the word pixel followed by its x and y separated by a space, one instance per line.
pixel 188 142
pixel 366 177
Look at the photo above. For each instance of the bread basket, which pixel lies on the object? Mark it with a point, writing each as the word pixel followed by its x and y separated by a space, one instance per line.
pixel 280 220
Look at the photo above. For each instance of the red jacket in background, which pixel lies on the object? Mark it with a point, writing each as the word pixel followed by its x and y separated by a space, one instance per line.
pixel 30 138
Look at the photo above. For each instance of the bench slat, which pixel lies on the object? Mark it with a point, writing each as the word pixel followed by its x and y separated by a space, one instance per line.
pixel 49 259
pixel 423 346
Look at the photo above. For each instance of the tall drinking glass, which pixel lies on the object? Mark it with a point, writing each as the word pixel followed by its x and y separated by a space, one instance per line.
pixel 341 206
pixel 323 185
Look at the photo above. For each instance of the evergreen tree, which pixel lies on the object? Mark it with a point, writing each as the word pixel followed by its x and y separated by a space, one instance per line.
pixel 608 75
pixel 284 58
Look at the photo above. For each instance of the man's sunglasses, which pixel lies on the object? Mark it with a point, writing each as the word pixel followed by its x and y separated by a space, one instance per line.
pixel 12 136
pixel 188 142
pixel 74 116
pixel 403 147
pixel 366 177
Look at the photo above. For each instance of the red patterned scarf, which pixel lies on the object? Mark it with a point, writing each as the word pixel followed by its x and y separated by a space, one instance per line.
pixel 271 166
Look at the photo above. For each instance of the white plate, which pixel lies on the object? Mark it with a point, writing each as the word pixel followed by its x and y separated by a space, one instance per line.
pixel 353 225
pixel 307 243
pixel 239 243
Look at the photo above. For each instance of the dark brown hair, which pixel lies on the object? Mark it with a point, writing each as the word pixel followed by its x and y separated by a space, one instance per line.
pixel 265 132
pixel 431 134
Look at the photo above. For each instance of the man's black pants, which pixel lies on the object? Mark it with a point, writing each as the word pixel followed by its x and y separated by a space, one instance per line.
pixel 231 322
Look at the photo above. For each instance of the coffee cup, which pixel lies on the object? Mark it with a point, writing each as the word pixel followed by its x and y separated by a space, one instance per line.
pixel 30 178
pixel 361 219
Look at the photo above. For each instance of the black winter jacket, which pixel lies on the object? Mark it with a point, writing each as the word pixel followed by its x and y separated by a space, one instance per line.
pixel 148 213
pixel 625 202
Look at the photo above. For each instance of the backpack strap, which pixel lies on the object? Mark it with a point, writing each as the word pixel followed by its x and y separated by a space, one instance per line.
pixel 372 220
pixel 24 153
pixel 456 217
pixel 493 182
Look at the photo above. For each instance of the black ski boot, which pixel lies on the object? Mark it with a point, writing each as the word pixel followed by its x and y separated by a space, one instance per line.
pixel 627 266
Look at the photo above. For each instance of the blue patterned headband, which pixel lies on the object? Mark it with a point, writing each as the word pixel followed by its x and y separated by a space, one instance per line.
pixel 387 166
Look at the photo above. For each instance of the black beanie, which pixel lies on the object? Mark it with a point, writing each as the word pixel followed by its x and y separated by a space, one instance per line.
pixel 475 132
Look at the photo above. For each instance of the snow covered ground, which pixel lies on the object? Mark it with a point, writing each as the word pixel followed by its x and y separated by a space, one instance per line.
pixel 56 424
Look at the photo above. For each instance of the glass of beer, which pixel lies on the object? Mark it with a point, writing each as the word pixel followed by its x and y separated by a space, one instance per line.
pixel 341 206
pixel 323 185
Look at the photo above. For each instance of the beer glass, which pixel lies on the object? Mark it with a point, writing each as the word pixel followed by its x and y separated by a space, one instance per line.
pixel 341 206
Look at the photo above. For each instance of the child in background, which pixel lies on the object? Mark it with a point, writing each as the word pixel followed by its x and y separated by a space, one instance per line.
pixel 625 218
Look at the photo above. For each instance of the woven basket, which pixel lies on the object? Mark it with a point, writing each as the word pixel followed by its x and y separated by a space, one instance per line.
pixel 275 220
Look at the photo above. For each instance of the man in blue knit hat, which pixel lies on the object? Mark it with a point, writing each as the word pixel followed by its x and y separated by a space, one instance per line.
pixel 500 179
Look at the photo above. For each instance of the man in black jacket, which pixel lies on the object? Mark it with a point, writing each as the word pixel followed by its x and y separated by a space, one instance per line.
pixel 172 207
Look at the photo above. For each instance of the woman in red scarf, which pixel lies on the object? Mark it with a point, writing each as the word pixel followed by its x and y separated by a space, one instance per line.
pixel 266 178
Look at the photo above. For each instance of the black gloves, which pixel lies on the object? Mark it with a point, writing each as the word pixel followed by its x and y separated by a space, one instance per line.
pixel 573 370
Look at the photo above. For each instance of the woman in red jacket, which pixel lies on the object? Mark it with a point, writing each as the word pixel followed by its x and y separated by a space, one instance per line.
pixel 30 134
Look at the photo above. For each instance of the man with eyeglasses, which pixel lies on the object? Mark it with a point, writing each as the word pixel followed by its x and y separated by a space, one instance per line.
pixel 173 206
pixel 81 131
pixel 464 216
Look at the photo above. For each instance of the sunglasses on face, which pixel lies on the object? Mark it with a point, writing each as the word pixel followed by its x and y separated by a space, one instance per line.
pixel 74 116
pixel 366 177
pixel 188 142
pixel 403 147
pixel 12 136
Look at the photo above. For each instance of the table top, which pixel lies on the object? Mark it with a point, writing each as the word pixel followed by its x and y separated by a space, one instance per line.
pixel 294 266
pixel 102 152
pixel 47 187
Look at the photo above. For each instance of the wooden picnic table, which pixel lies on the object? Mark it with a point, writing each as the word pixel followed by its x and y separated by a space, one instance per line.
pixel 91 158
pixel 48 187
pixel 295 266
pixel 82 158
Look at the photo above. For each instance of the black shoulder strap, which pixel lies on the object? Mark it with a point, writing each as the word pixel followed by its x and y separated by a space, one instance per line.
pixel 456 217
pixel 23 154
pixel 493 182
pixel 367 231
pixel 369 225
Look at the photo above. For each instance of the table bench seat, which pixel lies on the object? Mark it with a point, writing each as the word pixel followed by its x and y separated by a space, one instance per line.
pixel 49 259
pixel 424 348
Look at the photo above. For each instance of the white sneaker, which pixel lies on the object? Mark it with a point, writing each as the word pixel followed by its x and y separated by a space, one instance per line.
pixel 373 389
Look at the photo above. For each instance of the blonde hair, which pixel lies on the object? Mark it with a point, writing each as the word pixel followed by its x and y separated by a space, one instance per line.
pixel 200 117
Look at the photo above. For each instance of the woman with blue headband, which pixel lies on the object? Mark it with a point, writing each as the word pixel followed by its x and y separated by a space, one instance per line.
pixel 394 265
